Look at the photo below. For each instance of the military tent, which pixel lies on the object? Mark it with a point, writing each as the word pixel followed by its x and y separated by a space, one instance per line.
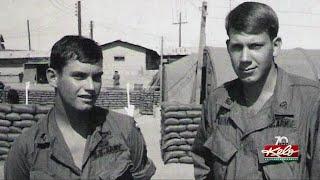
pixel 179 76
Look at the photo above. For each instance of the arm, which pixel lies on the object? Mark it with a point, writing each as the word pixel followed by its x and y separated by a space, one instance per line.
pixel 16 166
pixel 314 148
pixel 201 155
pixel 143 167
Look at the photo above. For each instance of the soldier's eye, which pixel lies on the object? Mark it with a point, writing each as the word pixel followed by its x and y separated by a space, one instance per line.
pixel 79 76
pixel 236 47
pixel 255 46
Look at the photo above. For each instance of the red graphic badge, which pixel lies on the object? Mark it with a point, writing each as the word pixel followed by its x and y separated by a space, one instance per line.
pixel 281 151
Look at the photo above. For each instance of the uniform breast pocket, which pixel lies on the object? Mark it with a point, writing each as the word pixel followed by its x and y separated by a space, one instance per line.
pixel 281 161
pixel 223 150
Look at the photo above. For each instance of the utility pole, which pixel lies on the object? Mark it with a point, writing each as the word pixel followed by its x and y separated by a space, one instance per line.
pixel 91 29
pixel 161 72
pixel 79 17
pixel 180 22
pixel 195 95
pixel 28 26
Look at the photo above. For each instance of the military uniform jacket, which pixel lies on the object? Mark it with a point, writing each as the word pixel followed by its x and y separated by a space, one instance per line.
pixel 229 142
pixel 115 150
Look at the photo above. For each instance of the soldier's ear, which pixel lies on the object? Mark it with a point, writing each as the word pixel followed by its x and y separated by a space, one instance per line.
pixel 52 77
pixel 277 42
pixel 227 43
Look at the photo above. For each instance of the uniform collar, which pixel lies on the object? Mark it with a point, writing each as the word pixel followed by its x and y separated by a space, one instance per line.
pixel 280 102
pixel 281 98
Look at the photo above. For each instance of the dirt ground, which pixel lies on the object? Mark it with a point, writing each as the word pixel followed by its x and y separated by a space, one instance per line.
pixel 150 128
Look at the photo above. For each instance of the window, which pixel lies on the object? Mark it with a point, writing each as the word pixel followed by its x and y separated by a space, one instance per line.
pixel 118 58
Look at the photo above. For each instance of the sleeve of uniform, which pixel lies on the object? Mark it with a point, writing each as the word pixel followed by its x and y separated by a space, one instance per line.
pixel 16 166
pixel 314 144
pixel 200 154
pixel 143 167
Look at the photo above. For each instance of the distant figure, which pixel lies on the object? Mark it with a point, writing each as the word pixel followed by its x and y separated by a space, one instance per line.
pixel 13 96
pixel 116 79
pixel 20 77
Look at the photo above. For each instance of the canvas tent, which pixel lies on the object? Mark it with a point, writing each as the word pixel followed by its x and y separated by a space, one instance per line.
pixel 179 76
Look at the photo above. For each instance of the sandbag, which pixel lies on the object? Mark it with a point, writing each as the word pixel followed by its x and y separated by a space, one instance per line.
pixel 4 137
pixel 190 141
pixel 185 121
pixel 175 142
pixel 4 150
pixel 176 114
pixel 186 160
pixel 192 127
pixel 166 107
pixel 13 116
pixel 38 117
pixel 185 147
pixel 173 160
pixel 175 128
pixel 43 109
pixel 4 144
pixel 174 154
pixel 4 129
pixel 197 120
pixel 188 134
pixel 6 108
pixel 13 129
pixel 26 116
pixel 4 122
pixel 193 114
pixel 23 123
pixel 171 121
pixel 2 115
pixel 170 136
pixel 3 157
pixel 13 136
pixel 172 148
pixel 23 108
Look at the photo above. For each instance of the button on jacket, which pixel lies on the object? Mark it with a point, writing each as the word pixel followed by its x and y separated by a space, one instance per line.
pixel 115 150
pixel 230 140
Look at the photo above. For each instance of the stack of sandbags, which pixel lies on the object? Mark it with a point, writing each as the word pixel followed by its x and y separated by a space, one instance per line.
pixel 116 99
pixel 44 97
pixel 179 124
pixel 15 119
pixel 146 102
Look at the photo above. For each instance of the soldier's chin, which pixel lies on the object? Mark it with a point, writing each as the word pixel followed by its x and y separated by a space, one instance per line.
pixel 248 80
pixel 84 107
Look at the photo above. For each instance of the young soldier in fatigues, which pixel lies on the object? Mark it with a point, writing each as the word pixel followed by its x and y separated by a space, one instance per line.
pixel 244 115
pixel 78 140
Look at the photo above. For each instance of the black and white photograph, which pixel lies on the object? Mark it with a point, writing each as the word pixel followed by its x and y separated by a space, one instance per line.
pixel 159 89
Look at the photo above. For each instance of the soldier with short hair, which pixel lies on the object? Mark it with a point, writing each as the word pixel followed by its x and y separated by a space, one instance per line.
pixel 78 140
pixel 245 119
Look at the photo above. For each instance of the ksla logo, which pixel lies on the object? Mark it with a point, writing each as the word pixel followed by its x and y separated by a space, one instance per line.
pixel 281 151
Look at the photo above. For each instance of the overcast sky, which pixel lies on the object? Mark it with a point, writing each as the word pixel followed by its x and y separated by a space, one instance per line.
pixel 144 21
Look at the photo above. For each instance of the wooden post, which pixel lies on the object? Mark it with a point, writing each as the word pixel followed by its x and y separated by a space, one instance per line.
pixel 161 72
pixel 28 26
pixel 180 22
pixel 79 18
pixel 195 96
pixel 91 29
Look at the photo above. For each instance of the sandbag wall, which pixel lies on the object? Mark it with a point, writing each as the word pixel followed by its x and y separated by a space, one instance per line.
pixel 147 100
pixel 110 98
pixel 179 124
pixel 117 98
pixel 15 119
